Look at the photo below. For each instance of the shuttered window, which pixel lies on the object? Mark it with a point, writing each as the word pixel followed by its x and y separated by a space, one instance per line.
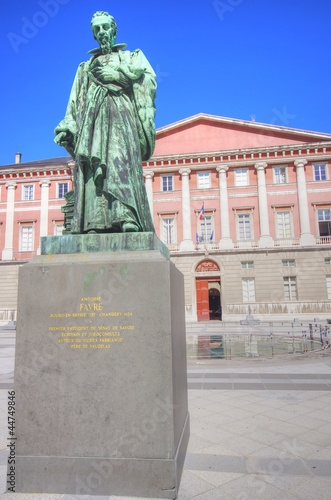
pixel 248 286
pixel 290 288
pixel 283 224
pixel 168 231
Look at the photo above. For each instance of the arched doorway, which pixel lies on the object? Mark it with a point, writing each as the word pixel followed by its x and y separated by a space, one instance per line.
pixel 208 291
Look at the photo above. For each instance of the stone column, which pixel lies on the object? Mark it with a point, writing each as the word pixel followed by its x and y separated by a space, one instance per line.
pixel 306 238
pixel 265 238
pixel 8 251
pixel 186 243
pixel 44 207
pixel 225 241
pixel 149 174
pixel 44 184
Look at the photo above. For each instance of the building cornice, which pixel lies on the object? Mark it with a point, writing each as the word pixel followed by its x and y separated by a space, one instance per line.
pixel 34 174
pixel 240 157
pixel 273 155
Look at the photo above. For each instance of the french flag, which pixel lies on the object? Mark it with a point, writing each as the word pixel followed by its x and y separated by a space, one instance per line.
pixel 202 212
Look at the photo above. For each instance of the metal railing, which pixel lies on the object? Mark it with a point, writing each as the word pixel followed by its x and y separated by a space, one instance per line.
pixel 251 338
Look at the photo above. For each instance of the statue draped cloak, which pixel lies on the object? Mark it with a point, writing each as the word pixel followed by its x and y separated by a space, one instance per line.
pixel 111 130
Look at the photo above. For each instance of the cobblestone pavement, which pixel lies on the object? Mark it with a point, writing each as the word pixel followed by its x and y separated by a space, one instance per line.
pixel 260 429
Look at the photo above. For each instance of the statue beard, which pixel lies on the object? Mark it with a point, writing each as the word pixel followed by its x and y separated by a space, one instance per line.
pixel 105 45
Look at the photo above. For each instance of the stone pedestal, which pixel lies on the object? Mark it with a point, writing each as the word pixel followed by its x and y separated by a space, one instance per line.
pixel 100 375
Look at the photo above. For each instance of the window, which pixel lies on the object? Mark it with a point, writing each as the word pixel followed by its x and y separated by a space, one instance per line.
pixel 241 177
pixel 248 264
pixel 288 262
pixel 26 238
pixel 167 182
pixel 28 192
pixel 283 224
pixel 244 227
pixel 328 286
pixel 168 229
pixel 320 172
pixel 327 261
pixel 58 228
pixel 248 287
pixel 62 189
pixel 324 221
pixel 280 175
pixel 290 288
pixel 203 180
pixel 205 232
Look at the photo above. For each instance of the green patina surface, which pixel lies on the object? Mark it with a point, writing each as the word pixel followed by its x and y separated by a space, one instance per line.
pixel 115 242
pixel 109 129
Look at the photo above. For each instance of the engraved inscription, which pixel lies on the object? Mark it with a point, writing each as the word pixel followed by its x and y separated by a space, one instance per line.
pixel 88 335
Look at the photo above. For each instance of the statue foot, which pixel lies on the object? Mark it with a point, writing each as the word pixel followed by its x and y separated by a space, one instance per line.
pixel 130 227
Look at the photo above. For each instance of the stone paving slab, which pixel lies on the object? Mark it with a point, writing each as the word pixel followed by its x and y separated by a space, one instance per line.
pixel 264 434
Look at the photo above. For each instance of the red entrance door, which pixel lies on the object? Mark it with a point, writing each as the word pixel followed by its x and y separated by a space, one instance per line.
pixel 202 299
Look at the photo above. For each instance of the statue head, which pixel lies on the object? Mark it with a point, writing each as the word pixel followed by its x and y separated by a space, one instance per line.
pixel 104 30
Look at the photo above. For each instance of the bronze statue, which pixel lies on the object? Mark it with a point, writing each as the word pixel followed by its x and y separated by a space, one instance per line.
pixel 109 129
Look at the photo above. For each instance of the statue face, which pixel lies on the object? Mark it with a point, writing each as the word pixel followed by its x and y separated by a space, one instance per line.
pixel 103 30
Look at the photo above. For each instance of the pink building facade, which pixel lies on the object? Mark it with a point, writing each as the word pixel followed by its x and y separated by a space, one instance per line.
pixel 245 209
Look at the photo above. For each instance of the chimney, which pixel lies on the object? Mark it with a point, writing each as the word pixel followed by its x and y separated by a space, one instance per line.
pixel 18 157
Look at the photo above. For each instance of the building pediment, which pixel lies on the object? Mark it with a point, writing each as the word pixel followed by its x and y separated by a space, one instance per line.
pixel 203 133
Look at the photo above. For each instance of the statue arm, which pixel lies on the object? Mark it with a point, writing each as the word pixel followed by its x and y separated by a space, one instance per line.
pixel 66 130
pixel 144 91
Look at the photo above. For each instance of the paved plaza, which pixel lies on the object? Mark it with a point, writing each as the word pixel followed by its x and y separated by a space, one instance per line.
pixel 260 429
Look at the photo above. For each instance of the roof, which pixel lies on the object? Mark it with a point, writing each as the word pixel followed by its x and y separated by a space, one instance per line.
pixel 191 120
pixel 205 133
pixel 49 162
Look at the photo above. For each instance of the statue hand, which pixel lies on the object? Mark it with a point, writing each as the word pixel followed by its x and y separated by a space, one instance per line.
pixel 106 74
pixel 66 140
pixel 63 138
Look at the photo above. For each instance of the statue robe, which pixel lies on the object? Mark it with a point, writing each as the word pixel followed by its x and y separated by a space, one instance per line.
pixel 112 130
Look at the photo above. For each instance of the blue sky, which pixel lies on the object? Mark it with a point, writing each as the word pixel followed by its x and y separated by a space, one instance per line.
pixel 263 59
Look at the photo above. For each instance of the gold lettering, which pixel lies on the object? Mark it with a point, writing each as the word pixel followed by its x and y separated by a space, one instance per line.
pixel 100 346
pixel 90 299
pixel 78 328
pixel 90 307
pixel 111 314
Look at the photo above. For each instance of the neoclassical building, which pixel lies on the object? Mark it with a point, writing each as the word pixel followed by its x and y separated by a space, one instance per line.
pixel 244 207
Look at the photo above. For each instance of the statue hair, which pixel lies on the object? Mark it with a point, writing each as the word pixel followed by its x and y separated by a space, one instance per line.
pixel 112 20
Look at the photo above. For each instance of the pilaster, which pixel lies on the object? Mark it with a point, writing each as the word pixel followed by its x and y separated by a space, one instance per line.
pixel 306 237
pixel 44 184
pixel 149 174
pixel 225 241
pixel 186 243
pixel 8 251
